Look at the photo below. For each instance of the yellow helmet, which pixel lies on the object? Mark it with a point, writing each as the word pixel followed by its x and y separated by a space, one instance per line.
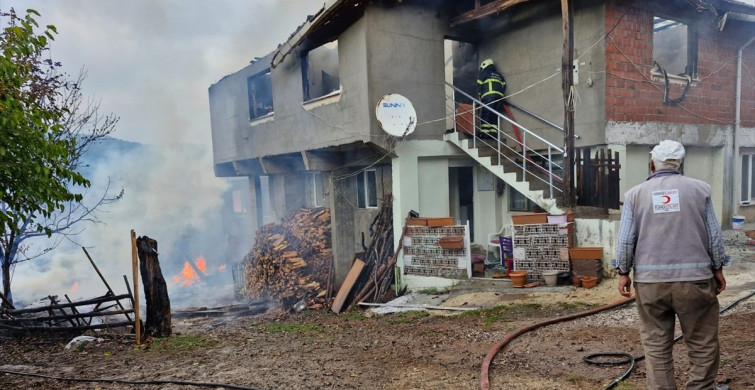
pixel 486 63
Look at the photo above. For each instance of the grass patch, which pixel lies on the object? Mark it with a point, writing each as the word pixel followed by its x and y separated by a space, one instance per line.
pixel 291 328
pixel 407 317
pixel 489 316
pixel 572 305
pixel 181 343
pixel 352 315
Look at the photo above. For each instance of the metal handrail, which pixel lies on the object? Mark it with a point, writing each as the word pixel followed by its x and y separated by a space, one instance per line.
pixel 551 148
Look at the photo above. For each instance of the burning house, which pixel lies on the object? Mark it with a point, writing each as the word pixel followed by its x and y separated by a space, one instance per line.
pixel 299 123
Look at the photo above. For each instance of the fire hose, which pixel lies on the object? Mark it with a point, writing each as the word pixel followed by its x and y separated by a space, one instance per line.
pixel 591 358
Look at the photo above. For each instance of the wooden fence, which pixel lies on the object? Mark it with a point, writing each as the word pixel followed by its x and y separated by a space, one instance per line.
pixel 598 178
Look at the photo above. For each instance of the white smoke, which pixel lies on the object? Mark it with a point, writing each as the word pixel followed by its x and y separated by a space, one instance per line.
pixel 151 64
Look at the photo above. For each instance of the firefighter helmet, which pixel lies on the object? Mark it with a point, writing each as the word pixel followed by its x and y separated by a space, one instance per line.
pixel 486 63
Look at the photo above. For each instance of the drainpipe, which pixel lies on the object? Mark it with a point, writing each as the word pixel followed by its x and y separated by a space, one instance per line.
pixel 737 114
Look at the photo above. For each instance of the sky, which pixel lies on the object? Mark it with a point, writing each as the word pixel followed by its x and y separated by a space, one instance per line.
pixel 151 62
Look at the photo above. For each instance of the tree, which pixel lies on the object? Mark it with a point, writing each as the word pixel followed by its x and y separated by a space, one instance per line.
pixel 47 126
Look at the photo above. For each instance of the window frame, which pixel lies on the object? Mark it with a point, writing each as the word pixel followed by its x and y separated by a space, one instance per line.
pixel 314 182
pixel 305 73
pixel 366 196
pixel 514 196
pixel 251 89
pixel 747 183
pixel 692 55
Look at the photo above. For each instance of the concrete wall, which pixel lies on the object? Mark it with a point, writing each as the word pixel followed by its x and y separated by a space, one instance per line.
pixel 529 57
pixel 405 56
pixel 229 110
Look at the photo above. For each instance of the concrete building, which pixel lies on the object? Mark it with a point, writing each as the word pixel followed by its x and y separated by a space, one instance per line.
pixel 300 122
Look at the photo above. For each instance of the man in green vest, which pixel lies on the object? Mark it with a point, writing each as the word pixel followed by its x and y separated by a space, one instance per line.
pixel 491 88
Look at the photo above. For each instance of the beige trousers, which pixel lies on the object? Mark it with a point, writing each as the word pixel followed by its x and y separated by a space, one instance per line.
pixel 696 306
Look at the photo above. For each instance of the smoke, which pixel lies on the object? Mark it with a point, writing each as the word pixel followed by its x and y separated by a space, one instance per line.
pixel 151 63
pixel 170 195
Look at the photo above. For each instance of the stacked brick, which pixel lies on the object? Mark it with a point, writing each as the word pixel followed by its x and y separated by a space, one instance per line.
pixel 425 256
pixel 542 247
pixel 587 262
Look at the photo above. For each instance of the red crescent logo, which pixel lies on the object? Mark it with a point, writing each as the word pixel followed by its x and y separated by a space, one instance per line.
pixel 666 199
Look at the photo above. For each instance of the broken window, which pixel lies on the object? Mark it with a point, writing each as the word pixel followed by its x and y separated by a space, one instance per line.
pixel 260 90
pixel 675 46
pixel 320 71
pixel 748 179
pixel 367 189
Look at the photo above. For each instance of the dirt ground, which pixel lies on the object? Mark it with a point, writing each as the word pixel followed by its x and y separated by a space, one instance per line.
pixel 437 349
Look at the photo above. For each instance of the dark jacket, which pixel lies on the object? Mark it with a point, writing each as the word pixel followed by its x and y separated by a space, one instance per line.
pixel 492 85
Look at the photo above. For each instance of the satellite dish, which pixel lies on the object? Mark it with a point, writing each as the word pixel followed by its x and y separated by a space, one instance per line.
pixel 396 115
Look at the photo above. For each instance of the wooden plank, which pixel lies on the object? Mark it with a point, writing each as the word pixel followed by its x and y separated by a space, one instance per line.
pixel 347 285
pixel 135 272
pixel 74 304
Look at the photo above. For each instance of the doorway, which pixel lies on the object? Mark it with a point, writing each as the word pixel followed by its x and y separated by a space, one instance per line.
pixel 461 191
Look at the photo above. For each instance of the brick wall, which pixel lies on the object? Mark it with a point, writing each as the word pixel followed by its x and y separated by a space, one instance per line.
pixel 631 96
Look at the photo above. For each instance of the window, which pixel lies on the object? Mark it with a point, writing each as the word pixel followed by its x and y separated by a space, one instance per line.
pixel 519 202
pixel 675 46
pixel 314 185
pixel 320 71
pixel 748 179
pixel 367 189
pixel 239 205
pixel 260 90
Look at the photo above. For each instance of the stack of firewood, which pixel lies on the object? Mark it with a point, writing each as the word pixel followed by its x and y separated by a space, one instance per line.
pixel 292 262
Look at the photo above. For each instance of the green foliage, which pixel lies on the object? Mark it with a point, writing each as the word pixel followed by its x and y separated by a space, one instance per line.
pixel 36 174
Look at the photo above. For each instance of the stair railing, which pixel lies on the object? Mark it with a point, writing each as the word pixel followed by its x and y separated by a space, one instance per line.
pixel 525 151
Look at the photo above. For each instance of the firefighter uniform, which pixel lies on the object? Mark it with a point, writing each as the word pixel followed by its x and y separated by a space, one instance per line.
pixel 491 88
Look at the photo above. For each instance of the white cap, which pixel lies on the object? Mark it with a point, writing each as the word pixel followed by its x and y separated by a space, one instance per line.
pixel 668 150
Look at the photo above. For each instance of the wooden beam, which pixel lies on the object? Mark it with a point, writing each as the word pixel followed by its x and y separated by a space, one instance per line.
pixel 485 10
pixel 567 84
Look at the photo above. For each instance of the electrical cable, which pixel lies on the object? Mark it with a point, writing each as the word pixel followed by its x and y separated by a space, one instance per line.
pixel 128 382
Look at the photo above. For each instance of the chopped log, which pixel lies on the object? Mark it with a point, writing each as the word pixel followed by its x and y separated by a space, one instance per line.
pixel 348 283
pixel 292 261
pixel 155 289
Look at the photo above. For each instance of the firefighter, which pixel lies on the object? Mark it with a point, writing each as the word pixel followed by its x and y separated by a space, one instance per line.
pixel 492 86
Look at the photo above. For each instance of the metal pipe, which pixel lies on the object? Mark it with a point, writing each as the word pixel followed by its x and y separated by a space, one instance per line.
pixel 737 118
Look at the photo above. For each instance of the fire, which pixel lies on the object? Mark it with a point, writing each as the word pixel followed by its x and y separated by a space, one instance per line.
pixel 201 264
pixel 74 287
pixel 222 267
pixel 188 276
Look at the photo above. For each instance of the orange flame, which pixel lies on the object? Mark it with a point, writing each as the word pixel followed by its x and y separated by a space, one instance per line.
pixel 74 287
pixel 222 267
pixel 188 276
pixel 201 264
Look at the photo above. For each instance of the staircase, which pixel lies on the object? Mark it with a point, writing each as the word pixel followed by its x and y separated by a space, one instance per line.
pixel 533 173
